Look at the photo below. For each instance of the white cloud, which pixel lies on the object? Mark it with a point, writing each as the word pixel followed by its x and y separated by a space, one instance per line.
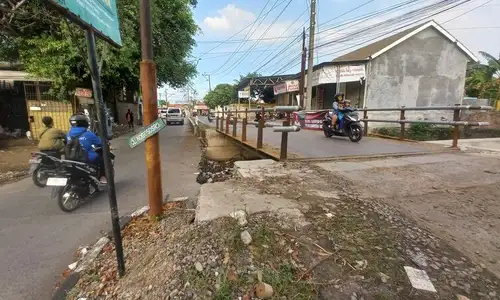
pixel 232 19
pixel 229 19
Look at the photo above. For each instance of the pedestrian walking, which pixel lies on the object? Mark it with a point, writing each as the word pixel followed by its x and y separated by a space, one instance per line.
pixel 130 119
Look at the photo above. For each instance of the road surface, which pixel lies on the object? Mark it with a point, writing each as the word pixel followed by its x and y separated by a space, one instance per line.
pixel 38 240
pixel 313 144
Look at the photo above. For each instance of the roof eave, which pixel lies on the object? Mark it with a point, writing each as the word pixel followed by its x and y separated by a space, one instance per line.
pixel 424 26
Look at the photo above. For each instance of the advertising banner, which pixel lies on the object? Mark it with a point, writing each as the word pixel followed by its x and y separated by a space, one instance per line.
pixel 310 120
pixel 101 15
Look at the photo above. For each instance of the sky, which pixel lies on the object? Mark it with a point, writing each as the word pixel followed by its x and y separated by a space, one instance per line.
pixel 241 36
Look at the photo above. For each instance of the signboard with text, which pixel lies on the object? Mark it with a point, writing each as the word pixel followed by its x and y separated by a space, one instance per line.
pixel 101 15
pixel 243 94
pixel 146 133
pixel 81 92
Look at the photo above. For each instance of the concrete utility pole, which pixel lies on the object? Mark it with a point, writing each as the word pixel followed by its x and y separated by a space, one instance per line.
pixel 207 76
pixel 149 93
pixel 310 61
pixel 302 69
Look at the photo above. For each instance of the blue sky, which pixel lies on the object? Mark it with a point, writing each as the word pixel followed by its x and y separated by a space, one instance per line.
pixel 274 36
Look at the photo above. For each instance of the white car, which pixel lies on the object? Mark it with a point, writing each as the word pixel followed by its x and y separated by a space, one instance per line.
pixel 162 113
pixel 174 115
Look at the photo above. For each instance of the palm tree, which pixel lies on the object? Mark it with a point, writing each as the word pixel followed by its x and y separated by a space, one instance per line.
pixel 484 80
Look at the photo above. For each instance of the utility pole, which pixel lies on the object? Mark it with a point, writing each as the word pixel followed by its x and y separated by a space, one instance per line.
pixel 149 92
pixel 207 76
pixel 310 61
pixel 302 69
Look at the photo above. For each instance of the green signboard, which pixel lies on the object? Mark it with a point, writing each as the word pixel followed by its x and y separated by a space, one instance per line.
pixel 147 132
pixel 101 15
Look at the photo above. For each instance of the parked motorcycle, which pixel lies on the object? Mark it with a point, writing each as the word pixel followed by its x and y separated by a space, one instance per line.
pixel 74 182
pixel 42 166
pixel 352 126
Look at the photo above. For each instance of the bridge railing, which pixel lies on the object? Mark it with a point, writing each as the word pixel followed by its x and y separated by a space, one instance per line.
pixel 223 122
pixel 456 123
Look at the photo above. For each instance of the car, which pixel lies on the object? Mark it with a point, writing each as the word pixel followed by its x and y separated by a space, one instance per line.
pixel 174 115
pixel 162 113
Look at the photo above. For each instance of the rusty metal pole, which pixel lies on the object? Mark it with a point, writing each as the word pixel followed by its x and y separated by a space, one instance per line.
pixel 365 117
pixel 302 69
pixel 235 122
pixel 260 130
pixel 150 106
pixel 284 139
pixel 222 122
pixel 401 118
pixel 228 119
pixel 217 121
pixel 456 129
pixel 244 127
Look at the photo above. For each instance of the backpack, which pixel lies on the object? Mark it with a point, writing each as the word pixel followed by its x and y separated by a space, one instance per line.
pixel 74 150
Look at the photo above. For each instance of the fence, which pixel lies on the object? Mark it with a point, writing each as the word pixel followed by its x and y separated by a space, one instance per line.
pixel 456 123
pixel 223 122
pixel 40 103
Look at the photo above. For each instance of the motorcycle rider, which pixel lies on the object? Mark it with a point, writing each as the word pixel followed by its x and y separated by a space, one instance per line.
pixel 338 99
pixel 51 139
pixel 79 129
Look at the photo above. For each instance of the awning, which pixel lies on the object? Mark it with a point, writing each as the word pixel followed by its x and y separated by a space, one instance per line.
pixel 8 75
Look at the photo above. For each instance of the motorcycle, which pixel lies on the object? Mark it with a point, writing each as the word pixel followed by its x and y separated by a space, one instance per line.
pixel 42 166
pixel 258 116
pixel 352 126
pixel 74 182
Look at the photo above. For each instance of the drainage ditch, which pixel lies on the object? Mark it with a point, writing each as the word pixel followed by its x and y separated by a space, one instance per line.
pixel 218 154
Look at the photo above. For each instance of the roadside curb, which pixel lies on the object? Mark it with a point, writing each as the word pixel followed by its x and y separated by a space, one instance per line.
pixel 82 264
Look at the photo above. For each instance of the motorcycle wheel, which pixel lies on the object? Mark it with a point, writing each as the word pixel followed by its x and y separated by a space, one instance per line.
pixel 38 179
pixel 355 133
pixel 327 132
pixel 66 199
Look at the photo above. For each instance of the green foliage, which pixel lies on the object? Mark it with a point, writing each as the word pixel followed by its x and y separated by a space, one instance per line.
pixel 483 80
pixel 162 103
pixel 50 47
pixel 421 132
pixel 222 94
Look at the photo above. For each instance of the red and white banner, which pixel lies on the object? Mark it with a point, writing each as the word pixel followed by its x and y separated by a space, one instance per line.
pixel 311 120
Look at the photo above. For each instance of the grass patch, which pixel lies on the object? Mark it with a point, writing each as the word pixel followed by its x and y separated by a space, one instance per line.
pixel 283 283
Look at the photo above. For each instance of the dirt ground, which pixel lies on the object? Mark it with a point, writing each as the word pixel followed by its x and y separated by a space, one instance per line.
pixel 14 156
pixel 347 245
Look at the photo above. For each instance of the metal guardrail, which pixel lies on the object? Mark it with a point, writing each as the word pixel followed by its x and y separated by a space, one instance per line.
pixel 456 123
pixel 288 123
pixel 286 127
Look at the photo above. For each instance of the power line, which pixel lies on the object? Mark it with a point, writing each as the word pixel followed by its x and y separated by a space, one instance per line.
pixel 240 31
pixel 262 35
pixel 336 17
pixel 470 28
pixel 398 19
pixel 248 34
pixel 467 12
pixel 280 36
pixel 387 31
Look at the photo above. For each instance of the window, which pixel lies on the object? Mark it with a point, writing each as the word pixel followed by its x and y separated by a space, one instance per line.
pixel 174 111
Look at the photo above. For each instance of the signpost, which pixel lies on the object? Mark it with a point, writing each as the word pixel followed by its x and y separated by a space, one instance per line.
pixel 99 16
pixel 146 133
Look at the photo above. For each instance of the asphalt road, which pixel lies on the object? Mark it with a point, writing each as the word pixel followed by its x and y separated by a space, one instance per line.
pixel 313 143
pixel 38 240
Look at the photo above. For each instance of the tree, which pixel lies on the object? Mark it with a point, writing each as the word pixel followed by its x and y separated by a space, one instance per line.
pixel 483 80
pixel 50 47
pixel 162 103
pixel 223 94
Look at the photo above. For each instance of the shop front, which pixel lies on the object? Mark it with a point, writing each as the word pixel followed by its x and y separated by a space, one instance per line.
pixel 286 92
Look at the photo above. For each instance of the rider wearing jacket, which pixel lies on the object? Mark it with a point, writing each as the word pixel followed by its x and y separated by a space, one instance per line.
pixel 51 139
pixel 79 128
